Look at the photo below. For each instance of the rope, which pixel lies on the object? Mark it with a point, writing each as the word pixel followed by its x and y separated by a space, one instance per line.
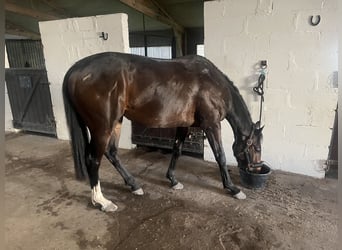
pixel 260 89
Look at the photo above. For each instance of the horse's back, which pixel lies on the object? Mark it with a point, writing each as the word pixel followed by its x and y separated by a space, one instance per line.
pixel 153 92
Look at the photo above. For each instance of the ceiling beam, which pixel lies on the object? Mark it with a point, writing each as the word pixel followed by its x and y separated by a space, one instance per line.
pixel 14 29
pixel 152 9
pixel 40 16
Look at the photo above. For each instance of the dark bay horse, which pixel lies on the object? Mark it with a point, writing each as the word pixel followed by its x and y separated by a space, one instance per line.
pixel 188 91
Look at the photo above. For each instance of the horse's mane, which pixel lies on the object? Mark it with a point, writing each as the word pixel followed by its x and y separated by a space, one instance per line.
pixel 230 83
pixel 239 109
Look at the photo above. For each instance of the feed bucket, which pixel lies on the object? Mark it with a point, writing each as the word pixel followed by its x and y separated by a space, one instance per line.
pixel 255 180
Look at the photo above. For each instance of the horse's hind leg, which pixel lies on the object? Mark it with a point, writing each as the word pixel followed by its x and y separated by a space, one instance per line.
pixel 112 155
pixel 181 134
pixel 95 153
pixel 214 137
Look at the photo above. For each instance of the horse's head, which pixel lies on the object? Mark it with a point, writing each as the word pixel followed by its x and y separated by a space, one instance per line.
pixel 247 148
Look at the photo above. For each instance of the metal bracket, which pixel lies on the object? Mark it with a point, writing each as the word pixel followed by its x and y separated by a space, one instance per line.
pixel 104 36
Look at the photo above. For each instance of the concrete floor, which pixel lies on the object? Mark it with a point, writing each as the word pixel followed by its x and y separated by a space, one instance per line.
pixel 46 208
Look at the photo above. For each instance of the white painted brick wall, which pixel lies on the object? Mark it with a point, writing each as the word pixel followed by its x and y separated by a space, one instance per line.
pixel 299 96
pixel 67 41
pixel 8 111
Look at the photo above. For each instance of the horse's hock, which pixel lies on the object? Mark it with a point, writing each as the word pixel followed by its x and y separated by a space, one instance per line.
pixel 46 208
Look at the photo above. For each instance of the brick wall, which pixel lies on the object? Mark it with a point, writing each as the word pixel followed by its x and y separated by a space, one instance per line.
pixel 301 84
pixel 68 40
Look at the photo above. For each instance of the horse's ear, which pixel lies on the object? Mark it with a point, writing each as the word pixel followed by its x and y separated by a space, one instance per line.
pixel 259 130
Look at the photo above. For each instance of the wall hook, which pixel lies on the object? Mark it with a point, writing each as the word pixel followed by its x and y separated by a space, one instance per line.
pixel 104 36
pixel 317 20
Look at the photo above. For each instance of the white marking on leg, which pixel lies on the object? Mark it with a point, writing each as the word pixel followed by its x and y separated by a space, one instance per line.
pixel 98 198
pixel 138 191
pixel 178 186
pixel 240 195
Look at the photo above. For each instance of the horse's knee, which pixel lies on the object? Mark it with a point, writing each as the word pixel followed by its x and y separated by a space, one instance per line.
pixel 220 158
pixel 222 163
pixel 111 151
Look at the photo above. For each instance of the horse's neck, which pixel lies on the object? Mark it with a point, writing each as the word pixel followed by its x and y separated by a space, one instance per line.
pixel 238 115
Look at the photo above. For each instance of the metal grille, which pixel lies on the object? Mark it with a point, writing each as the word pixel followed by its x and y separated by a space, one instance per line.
pixel 164 138
pixel 25 54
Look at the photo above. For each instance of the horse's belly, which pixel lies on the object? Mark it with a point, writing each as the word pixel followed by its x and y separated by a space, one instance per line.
pixel 161 105
pixel 153 118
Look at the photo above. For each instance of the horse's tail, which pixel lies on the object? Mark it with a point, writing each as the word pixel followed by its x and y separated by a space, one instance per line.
pixel 78 132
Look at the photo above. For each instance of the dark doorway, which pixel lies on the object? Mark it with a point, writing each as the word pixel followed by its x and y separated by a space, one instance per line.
pixel 30 100
pixel 333 151
pixel 28 87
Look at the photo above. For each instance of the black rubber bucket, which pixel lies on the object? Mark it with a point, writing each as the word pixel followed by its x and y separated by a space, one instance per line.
pixel 255 180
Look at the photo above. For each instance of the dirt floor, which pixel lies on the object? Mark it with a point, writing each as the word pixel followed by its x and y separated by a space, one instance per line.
pixel 46 208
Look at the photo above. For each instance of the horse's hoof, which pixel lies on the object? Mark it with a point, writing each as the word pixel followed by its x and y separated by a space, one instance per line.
pixel 240 195
pixel 138 191
pixel 178 186
pixel 110 207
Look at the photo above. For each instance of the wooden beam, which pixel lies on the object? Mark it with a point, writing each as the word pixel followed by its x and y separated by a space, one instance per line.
pixel 40 16
pixel 14 29
pixel 152 9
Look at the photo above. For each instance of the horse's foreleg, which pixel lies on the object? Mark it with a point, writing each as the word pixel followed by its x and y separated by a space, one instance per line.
pixel 181 134
pixel 112 155
pixel 95 153
pixel 214 136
